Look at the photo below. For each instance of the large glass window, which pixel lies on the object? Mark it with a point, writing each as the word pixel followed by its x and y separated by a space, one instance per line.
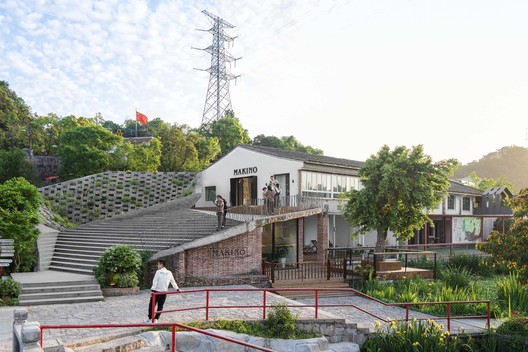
pixel 326 185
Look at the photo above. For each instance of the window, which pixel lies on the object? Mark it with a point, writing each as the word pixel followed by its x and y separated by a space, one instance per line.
pixel 322 185
pixel 451 202
pixel 210 193
pixel 466 205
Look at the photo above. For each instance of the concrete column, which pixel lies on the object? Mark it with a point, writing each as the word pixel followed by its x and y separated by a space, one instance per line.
pixel 300 239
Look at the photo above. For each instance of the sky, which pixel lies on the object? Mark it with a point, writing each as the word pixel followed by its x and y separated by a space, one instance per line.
pixel 344 76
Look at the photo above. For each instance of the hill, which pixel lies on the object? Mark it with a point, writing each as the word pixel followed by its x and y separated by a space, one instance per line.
pixel 510 162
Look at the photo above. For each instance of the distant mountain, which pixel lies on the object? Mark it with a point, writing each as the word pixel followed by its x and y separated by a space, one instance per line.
pixel 510 162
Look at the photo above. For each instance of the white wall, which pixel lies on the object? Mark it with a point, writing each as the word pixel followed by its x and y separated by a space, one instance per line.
pixel 310 229
pixel 220 173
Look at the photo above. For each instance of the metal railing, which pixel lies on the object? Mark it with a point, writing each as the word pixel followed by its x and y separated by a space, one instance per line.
pixel 264 291
pixel 173 332
pixel 208 306
pixel 303 270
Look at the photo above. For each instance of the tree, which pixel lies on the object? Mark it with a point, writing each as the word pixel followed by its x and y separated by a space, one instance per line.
pixel 86 150
pixel 145 158
pixel 229 132
pixel 510 247
pixel 287 143
pixel 15 115
pixel 13 163
pixel 397 187
pixel 177 152
pixel 19 215
pixel 486 183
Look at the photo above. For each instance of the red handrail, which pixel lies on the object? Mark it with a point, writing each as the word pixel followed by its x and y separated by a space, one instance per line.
pixel 173 325
pixel 317 305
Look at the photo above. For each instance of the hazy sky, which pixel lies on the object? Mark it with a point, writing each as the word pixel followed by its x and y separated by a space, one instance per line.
pixel 342 76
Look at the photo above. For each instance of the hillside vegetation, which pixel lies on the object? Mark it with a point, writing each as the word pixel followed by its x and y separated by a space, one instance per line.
pixel 510 162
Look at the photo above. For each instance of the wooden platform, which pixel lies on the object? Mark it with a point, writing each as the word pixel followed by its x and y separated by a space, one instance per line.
pixel 318 283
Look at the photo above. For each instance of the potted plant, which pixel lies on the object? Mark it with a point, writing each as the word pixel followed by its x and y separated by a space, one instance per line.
pixel 117 270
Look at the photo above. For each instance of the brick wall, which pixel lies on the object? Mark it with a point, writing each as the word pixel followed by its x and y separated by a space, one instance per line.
pixel 322 236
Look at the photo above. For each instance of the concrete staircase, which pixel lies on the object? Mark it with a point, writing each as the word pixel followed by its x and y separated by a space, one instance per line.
pixel 315 283
pixel 77 250
pixel 52 287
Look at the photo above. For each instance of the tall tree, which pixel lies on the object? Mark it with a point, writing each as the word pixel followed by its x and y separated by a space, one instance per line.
pixel 510 247
pixel 13 163
pixel 145 158
pixel 15 115
pixel 397 186
pixel 229 132
pixel 287 143
pixel 86 150
pixel 177 153
pixel 19 215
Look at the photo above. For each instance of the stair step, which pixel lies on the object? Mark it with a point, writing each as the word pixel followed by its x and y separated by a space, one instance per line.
pixel 71 270
pixel 58 288
pixel 72 264
pixel 61 300
pixel 88 282
pixel 49 295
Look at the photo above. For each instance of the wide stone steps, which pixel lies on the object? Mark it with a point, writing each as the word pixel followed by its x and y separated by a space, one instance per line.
pixel 54 287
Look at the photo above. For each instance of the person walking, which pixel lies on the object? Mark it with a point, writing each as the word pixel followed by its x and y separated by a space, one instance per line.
pixel 160 283
pixel 219 202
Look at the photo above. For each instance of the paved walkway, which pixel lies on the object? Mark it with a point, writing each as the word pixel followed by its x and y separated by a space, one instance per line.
pixel 133 309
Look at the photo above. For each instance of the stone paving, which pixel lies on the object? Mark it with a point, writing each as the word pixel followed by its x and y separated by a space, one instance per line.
pixel 133 310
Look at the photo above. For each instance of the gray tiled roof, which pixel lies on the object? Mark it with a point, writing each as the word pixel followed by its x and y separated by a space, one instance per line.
pixel 305 157
pixel 459 188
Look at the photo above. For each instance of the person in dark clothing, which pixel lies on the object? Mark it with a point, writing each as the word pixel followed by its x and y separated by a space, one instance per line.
pixel 224 215
pixel 219 202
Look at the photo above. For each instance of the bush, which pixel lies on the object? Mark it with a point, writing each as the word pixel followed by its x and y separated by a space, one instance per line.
pixel 281 322
pixel 512 294
pixel 122 260
pixel 456 276
pixel 10 288
pixel 415 336
pixel 513 334
pixel 478 265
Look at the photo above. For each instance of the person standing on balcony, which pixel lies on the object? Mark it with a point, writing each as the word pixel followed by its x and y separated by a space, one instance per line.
pixel 160 283
pixel 219 202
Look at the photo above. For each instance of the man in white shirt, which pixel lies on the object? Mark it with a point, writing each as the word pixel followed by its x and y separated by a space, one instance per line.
pixel 160 283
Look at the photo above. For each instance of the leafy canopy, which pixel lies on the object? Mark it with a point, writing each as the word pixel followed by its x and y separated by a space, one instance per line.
pixel 19 215
pixel 397 186
pixel 511 247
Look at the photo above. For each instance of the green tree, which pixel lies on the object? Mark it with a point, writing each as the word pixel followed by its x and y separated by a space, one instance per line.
pixel 19 215
pixel 208 148
pixel 287 143
pixel 177 152
pixel 511 246
pixel 145 158
pixel 397 186
pixel 229 132
pixel 13 163
pixel 486 183
pixel 86 150
pixel 45 136
pixel 15 115
pixel 69 122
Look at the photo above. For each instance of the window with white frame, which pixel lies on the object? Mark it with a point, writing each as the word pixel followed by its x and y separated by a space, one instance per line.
pixel 451 202
pixel 322 185
pixel 466 203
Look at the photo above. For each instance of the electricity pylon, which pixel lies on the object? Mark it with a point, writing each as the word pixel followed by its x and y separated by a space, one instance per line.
pixel 218 99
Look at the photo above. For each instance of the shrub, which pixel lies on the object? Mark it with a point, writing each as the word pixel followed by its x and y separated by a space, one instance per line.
pixel 123 260
pixel 187 192
pixel 512 294
pixel 281 322
pixel 126 280
pixel 10 288
pixel 177 182
pixel 478 265
pixel 456 277
pixel 414 336
pixel 513 334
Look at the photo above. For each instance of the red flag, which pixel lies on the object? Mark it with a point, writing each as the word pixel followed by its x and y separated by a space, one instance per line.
pixel 141 118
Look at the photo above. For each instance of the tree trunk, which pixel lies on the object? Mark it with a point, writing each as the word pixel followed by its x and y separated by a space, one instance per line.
pixel 381 243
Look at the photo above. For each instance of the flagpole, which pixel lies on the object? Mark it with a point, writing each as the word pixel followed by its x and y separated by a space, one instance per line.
pixel 136 123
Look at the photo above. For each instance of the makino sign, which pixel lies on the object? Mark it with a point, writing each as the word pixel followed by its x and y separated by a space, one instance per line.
pixel 245 171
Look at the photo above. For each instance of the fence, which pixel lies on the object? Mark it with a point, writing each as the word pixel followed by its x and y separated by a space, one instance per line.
pixel 303 270
pixel 264 305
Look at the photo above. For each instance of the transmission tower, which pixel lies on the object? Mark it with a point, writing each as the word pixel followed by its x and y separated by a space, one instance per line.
pixel 218 99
